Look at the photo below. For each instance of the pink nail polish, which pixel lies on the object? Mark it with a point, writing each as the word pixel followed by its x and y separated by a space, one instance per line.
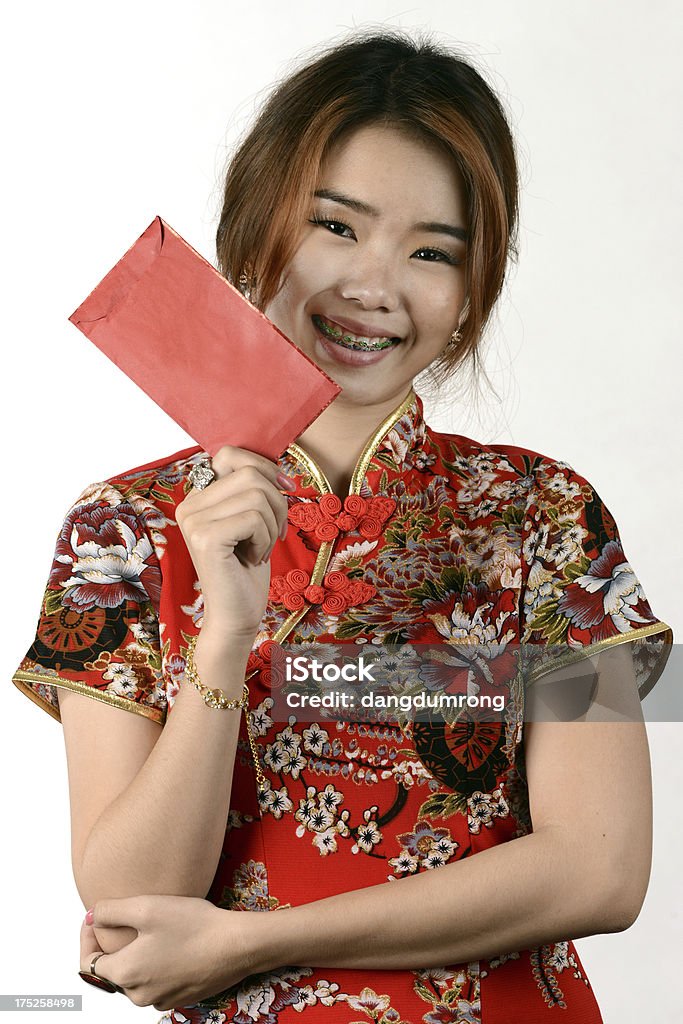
pixel 285 482
pixel 89 916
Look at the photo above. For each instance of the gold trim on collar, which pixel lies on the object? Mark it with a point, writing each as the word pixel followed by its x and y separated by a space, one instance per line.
pixel 325 551
pixel 373 444
pixel 313 468
pixel 365 457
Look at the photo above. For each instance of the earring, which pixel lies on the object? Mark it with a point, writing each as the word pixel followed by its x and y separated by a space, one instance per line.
pixel 247 284
pixel 456 336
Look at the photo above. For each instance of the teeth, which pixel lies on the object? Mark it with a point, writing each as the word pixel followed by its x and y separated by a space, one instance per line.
pixel 355 341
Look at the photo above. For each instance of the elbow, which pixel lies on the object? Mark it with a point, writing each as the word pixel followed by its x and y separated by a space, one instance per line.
pixel 96 882
pixel 603 883
pixel 91 892
pixel 623 910
pixel 87 883
pixel 622 891
pixel 103 869
pixel 620 918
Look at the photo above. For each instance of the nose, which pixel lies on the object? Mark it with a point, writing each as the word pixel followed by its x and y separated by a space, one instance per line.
pixel 371 280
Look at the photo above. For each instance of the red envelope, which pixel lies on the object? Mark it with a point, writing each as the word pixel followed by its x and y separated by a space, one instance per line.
pixel 194 344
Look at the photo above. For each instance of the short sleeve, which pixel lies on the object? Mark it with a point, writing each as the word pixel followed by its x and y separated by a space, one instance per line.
pixel 98 631
pixel 580 594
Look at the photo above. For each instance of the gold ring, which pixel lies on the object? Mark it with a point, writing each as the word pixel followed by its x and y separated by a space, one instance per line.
pixel 93 962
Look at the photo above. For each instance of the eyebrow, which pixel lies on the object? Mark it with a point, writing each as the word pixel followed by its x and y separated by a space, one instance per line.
pixel 443 229
pixel 358 206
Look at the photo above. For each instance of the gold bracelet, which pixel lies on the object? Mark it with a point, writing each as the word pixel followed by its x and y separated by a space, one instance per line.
pixel 214 698
pixel 217 699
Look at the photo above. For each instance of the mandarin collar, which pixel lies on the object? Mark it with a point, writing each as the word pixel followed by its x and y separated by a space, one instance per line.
pixel 392 444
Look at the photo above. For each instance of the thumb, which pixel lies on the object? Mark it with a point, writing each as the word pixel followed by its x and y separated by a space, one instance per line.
pixel 89 946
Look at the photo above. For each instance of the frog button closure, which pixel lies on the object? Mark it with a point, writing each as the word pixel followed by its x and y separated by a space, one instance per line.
pixel 336 593
pixel 326 517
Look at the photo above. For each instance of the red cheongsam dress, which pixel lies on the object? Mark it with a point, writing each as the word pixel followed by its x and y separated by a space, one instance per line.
pixel 440 538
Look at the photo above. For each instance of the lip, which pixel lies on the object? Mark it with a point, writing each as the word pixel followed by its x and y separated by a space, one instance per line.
pixel 330 350
pixel 363 330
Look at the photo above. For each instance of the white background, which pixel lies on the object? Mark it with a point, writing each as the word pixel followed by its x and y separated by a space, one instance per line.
pixel 118 112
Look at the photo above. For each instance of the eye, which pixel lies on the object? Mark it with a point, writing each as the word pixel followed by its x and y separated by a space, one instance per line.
pixel 335 227
pixel 438 256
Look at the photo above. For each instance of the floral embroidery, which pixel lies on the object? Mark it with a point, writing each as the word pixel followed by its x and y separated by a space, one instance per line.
pixel 284 756
pixel 542 967
pixel 102 561
pixel 260 998
pixel 369 1002
pixel 429 847
pixel 368 834
pixel 483 808
pixel 249 890
pixel 453 995
pixel 259 719
pixel 274 801
pixel 606 600
pixel 319 814
pixel 447 542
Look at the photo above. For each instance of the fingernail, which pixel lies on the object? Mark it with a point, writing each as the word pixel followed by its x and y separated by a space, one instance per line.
pixel 283 530
pixel 89 917
pixel 266 557
pixel 285 482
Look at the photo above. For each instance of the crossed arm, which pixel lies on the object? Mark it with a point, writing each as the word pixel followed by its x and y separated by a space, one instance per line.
pixel 584 876
pixel 583 870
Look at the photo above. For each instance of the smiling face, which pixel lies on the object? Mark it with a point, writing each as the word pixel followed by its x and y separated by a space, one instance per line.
pixel 377 283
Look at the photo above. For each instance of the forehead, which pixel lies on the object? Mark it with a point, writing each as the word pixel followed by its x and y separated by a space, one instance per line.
pixel 395 171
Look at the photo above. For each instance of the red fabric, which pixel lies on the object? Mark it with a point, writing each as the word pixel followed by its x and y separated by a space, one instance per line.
pixel 476 541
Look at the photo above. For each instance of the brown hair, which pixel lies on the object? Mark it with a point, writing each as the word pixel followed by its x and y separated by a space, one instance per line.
pixel 384 77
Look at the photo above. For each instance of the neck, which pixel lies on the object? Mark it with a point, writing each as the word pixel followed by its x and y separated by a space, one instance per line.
pixel 337 437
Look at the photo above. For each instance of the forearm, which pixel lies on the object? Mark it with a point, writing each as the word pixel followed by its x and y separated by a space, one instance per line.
pixel 519 895
pixel 164 833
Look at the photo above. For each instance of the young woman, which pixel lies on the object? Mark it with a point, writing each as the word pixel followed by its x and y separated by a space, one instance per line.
pixel 237 866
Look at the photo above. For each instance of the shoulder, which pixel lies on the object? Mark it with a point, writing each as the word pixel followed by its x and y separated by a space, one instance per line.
pixel 133 510
pixel 165 473
pixel 162 483
pixel 536 472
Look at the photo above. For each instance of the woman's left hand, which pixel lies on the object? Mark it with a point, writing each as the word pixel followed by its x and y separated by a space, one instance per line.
pixel 186 949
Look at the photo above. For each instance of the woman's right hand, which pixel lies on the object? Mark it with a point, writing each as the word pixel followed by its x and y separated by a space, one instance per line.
pixel 230 528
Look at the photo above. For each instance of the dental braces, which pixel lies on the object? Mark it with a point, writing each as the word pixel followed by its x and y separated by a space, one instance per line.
pixel 352 342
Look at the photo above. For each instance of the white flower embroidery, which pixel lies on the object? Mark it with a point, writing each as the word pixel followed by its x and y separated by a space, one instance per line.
pixel 483 808
pixel 275 801
pixel 259 718
pixel 315 739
